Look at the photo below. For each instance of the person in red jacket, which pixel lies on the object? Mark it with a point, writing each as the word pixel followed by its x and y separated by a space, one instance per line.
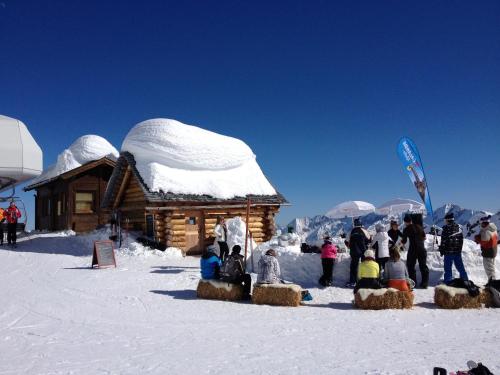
pixel 2 220
pixel 12 214
pixel 328 255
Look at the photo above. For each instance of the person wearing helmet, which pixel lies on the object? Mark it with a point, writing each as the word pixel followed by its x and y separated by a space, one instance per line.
pixel 452 240
pixel 414 233
pixel 358 242
pixel 368 272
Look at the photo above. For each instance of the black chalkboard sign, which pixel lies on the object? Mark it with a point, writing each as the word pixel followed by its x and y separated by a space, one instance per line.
pixel 104 254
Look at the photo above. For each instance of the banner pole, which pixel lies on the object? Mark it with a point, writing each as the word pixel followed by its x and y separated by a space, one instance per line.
pixel 246 233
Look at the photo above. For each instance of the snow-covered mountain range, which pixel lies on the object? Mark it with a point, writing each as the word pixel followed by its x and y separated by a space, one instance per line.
pixel 313 229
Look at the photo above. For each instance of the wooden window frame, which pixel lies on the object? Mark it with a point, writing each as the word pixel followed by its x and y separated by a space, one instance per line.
pixel 93 192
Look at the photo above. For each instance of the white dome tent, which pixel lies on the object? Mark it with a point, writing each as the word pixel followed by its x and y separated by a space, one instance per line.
pixel 21 157
pixel 350 209
pixel 399 206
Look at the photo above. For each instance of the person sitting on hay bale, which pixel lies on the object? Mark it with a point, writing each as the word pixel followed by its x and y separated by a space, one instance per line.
pixel 271 289
pixel 368 273
pixel 396 274
pixel 210 264
pixel 233 271
pixel 269 269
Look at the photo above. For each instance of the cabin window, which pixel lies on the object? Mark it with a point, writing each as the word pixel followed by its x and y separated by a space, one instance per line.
pixel 61 204
pixel 192 220
pixel 84 202
pixel 45 206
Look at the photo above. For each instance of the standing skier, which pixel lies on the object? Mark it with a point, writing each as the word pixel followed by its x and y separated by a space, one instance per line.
pixel 394 233
pixel 358 243
pixel 2 220
pixel 417 252
pixel 488 239
pixel 220 232
pixel 328 255
pixel 381 242
pixel 13 215
pixel 452 240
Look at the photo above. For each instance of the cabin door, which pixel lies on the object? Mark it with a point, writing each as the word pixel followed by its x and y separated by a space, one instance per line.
pixel 194 232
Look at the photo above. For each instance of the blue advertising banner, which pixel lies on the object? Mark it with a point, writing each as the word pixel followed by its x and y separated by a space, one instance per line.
pixel 408 153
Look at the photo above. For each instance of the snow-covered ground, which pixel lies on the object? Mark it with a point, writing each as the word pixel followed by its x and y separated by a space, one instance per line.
pixel 57 316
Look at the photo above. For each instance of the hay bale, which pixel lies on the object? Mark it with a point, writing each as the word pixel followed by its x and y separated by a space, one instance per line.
pixel 448 297
pixel 220 290
pixel 486 298
pixel 277 294
pixel 381 299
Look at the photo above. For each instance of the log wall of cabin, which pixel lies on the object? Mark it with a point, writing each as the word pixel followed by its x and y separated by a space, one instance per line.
pixel 132 206
pixel 94 182
pixel 170 225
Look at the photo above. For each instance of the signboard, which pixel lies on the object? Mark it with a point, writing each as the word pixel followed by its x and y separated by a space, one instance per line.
pixel 104 254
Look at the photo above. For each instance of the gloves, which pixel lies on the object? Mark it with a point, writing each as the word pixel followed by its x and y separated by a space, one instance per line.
pixel 441 251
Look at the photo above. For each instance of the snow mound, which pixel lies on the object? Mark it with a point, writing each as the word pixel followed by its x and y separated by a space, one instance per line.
pixel 184 159
pixel 85 149
pixel 236 232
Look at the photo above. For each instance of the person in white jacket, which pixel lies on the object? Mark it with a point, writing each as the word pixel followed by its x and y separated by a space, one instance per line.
pixel 381 244
pixel 220 232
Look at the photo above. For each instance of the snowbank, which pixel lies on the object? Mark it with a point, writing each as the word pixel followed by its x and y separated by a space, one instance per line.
pixel 305 269
pixel 85 149
pixel 236 232
pixel 69 243
pixel 184 159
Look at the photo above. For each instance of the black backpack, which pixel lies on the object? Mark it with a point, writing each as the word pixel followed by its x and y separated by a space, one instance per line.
pixel 480 370
pixel 231 269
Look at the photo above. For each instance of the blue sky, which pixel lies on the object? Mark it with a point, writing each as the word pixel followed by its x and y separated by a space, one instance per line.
pixel 321 90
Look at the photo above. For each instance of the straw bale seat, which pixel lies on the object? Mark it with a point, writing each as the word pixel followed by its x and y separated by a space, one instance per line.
pixel 277 294
pixel 220 290
pixel 382 299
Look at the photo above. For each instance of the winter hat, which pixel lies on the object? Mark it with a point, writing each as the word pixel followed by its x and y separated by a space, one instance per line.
pixel 485 219
pixel 357 223
pixel 407 219
pixel 211 249
pixel 236 249
pixel 379 227
pixel 271 252
pixel 369 253
pixel 449 216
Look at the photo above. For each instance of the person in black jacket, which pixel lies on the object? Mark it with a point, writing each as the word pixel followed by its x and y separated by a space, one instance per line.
pixel 417 252
pixel 357 244
pixel 452 240
pixel 394 233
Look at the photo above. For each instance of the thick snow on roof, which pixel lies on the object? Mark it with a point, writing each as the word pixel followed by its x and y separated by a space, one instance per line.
pixel 350 209
pixel 184 159
pixel 85 149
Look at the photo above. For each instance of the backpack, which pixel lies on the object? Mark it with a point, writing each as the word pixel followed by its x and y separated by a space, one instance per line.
pixel 480 370
pixel 231 269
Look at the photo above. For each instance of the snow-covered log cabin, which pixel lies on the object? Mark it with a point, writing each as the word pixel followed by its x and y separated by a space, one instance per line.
pixel 70 192
pixel 172 180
